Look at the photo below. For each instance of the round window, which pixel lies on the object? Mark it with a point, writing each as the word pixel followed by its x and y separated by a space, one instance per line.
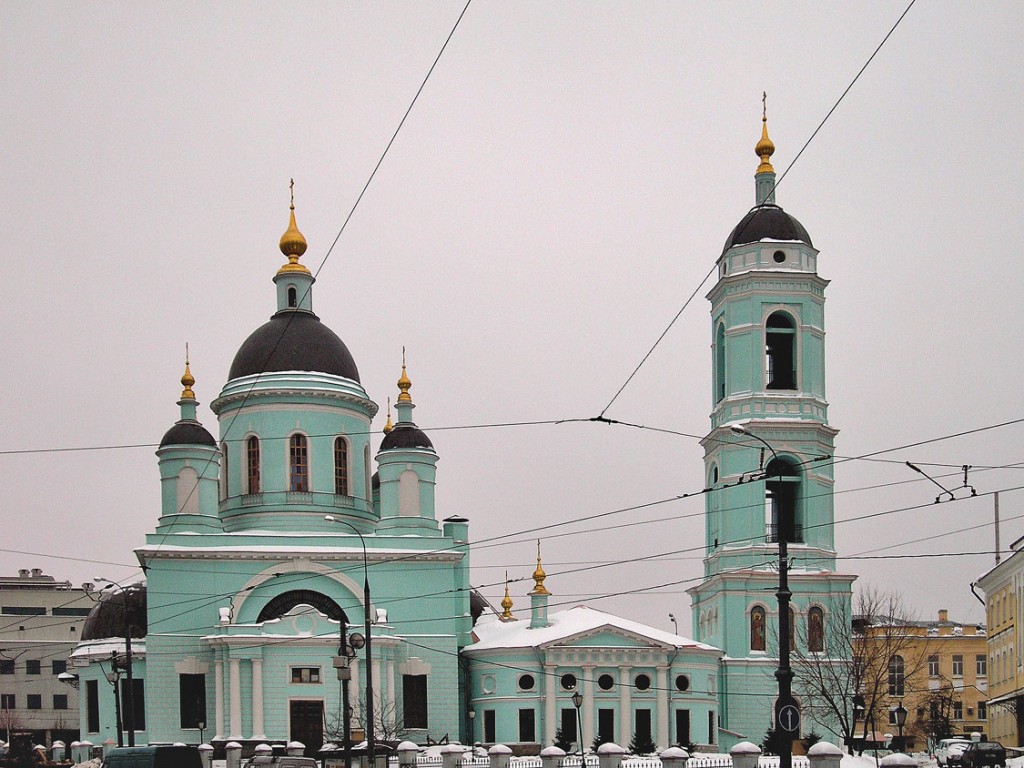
pixel 526 682
pixel 779 256
pixel 643 682
pixel 682 683
pixel 568 682
pixel 606 682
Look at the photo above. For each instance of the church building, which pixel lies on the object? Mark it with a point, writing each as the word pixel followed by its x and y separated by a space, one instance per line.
pixel 768 467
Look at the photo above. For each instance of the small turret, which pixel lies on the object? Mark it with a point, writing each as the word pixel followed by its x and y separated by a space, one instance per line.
pixel 539 596
pixel 764 178
pixel 294 281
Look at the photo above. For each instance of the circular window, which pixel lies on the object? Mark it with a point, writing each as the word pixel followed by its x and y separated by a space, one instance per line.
pixel 606 682
pixel 682 683
pixel 487 683
pixel 779 256
pixel 568 682
pixel 526 682
pixel 643 682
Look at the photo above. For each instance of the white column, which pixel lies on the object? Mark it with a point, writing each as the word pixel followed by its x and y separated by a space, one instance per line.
pixel 235 698
pixel 218 699
pixel 550 687
pixel 662 739
pixel 257 699
pixel 378 693
pixel 625 710
pixel 588 704
pixel 389 673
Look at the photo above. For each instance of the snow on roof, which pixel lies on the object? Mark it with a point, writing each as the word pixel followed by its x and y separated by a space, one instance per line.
pixel 566 624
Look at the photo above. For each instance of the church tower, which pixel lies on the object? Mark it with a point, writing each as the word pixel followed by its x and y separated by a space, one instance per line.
pixel 767 463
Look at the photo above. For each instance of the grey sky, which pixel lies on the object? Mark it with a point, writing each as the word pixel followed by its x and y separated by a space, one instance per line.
pixel 566 180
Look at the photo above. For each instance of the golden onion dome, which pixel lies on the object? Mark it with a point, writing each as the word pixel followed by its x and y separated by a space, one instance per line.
pixel 187 380
pixel 539 576
pixel 765 148
pixel 293 243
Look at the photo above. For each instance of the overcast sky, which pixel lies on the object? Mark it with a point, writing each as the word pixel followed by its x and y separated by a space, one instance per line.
pixel 564 183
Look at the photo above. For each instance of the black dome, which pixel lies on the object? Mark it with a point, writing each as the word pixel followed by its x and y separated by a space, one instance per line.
pixel 188 433
pixel 294 341
pixel 405 436
pixel 767 222
pixel 109 617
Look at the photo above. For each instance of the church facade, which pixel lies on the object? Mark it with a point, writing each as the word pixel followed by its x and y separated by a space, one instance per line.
pixel 266 541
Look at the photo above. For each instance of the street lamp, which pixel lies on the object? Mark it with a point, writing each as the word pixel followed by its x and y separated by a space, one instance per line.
pixel 114 678
pixel 129 690
pixel 901 720
pixel 577 701
pixel 370 740
pixel 672 618
pixel 787 715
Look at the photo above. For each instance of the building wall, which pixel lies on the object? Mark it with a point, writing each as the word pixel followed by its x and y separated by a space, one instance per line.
pixel 1004 595
pixel 40 621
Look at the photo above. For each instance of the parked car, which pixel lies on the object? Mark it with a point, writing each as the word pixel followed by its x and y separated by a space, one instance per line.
pixel 281 761
pixel 154 756
pixel 987 754
pixel 949 751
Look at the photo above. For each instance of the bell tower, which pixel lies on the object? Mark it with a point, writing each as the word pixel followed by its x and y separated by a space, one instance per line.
pixel 767 459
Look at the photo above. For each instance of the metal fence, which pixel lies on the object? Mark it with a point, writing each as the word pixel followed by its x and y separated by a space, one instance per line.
pixel 591 761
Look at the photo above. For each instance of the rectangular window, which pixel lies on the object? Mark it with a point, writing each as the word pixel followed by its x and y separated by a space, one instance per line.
pixel 414 702
pixel 527 733
pixel 6 666
pixel 981 665
pixel 23 610
pixel 983 710
pixel 7 701
pixel 138 704
pixel 192 700
pixel 569 725
pixel 34 701
pixel 92 706
pixel 71 611
pixel 305 674
pixel 33 667
pixel 642 725
pixel 60 701
pixel 711 728
pixel 958 665
pixel 892 717
pixel 58 667
pixel 683 727
pixel 933 666
pixel 958 710
pixel 606 725
pixel 489 737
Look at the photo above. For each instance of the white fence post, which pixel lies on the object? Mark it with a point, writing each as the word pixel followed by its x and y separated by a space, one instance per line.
pixel 745 755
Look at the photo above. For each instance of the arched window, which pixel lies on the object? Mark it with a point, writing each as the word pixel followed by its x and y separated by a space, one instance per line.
pixel 720 363
pixel 782 492
pixel 366 472
pixel 223 471
pixel 780 351
pixel 298 464
pixel 896 673
pixel 252 467
pixel 815 630
pixel 757 630
pixel 293 296
pixel 341 466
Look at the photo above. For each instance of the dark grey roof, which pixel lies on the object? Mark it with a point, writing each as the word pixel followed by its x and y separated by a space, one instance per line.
pixel 188 433
pixel 405 435
pixel 294 341
pixel 115 611
pixel 766 221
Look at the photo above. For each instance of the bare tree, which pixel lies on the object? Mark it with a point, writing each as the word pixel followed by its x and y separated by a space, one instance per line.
pixel 864 658
pixel 388 726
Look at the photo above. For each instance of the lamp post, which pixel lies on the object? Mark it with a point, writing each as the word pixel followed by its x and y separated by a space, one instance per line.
pixel 113 677
pixel 787 715
pixel 672 618
pixel 901 720
pixel 129 691
pixel 577 701
pixel 858 714
pixel 370 740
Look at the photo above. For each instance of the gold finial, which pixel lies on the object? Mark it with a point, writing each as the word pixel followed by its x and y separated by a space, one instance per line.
pixel 539 576
pixel 506 603
pixel 765 148
pixel 187 380
pixel 388 427
pixel 292 244
pixel 404 383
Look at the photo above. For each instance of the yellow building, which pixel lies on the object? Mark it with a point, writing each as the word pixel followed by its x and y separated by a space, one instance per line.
pixel 1004 592
pixel 938 670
